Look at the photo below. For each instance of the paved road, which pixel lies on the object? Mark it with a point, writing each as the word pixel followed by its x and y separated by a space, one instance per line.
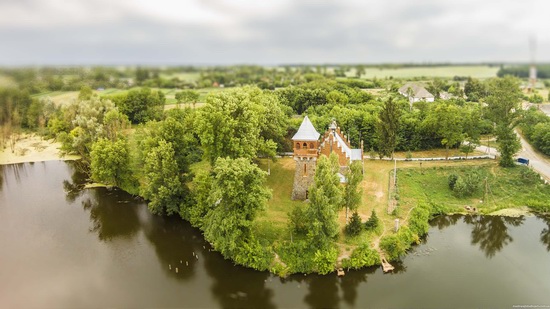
pixel 536 161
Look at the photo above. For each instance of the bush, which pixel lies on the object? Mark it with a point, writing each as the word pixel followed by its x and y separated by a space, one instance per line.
pixel 363 256
pixel 452 180
pixel 354 227
pixel 325 260
pixel 373 222
pixel 397 244
pixel 468 184
pixel 538 205
pixel 418 219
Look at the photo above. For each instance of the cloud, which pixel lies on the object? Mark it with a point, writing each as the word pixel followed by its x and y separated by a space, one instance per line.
pixel 269 32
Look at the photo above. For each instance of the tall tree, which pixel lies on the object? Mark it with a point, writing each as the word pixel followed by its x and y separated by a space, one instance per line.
pixel 240 123
pixel 237 194
pixel 110 162
pixel 503 109
pixel 352 190
pixel 474 90
pixel 445 119
pixel 325 197
pixel 387 128
pixel 162 183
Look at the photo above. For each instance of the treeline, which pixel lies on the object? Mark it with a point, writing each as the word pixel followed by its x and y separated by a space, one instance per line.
pixel 543 71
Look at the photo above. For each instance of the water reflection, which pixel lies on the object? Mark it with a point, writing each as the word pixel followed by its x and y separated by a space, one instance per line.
pixel 111 214
pixel 490 233
pixel 323 291
pixel 177 244
pixel 350 283
pixel 74 187
pixel 442 222
pixel 545 233
pixel 238 287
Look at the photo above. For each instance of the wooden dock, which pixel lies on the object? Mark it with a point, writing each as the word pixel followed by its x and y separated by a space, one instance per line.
pixel 386 266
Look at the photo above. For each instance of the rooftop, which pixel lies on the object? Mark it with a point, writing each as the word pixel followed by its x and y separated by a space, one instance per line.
pixel 306 132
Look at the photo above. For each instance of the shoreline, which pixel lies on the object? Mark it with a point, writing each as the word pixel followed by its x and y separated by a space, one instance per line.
pixel 33 148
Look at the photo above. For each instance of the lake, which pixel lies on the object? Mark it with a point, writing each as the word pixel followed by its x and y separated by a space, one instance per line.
pixel 66 247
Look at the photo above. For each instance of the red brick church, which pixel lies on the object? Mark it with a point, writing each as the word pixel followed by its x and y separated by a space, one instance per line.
pixel 309 145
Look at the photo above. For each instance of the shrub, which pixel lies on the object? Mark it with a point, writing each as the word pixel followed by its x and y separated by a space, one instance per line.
pixel 468 184
pixel 538 205
pixel 325 260
pixel 363 256
pixel 397 244
pixel 354 227
pixel 418 219
pixel 452 180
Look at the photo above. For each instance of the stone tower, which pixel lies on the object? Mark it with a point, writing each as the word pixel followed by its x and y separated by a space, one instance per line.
pixel 306 151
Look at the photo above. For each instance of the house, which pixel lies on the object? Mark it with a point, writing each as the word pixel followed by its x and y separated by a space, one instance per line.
pixel 308 145
pixel 416 93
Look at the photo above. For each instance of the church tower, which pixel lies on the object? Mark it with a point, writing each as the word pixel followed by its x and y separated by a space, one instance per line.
pixel 306 152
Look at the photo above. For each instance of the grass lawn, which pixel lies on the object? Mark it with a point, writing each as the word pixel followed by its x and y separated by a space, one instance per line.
pixel 273 223
pixel 476 71
pixel 506 187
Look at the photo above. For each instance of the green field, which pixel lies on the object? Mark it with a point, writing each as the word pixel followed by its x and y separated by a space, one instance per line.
pixel 442 71
pixel 500 188
pixel 189 77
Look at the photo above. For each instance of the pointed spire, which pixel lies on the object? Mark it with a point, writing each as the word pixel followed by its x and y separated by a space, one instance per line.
pixel 306 132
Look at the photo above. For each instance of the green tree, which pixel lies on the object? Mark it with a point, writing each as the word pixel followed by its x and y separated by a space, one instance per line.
pixel 115 124
pixel 237 194
pixel 176 133
pixel 373 222
pixel 354 227
pixel 325 197
pixel 187 96
pixel 162 183
pixel 503 109
pixel 141 105
pixel 110 162
pixel 474 90
pixel 352 190
pixel 240 123
pixel 85 93
pixel 387 128
pixel 445 119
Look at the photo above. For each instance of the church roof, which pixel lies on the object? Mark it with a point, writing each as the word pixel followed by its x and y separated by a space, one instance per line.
pixel 306 132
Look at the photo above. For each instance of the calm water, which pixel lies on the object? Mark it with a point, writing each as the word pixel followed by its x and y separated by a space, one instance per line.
pixel 64 247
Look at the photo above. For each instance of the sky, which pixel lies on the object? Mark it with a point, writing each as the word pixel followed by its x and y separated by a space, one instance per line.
pixel 271 32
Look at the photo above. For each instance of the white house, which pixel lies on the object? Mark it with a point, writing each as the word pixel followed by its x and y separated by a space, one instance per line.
pixel 416 93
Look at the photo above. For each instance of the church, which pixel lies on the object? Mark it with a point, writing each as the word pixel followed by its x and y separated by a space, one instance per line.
pixel 308 145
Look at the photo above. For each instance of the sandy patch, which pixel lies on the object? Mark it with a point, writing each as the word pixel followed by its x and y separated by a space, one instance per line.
pixel 32 148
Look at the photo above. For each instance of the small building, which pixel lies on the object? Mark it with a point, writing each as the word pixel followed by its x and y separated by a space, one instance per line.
pixel 307 149
pixel 416 93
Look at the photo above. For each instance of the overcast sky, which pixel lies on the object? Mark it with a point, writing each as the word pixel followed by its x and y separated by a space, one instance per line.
pixel 270 32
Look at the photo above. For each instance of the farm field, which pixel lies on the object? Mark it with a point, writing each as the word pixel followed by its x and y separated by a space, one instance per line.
pixel 64 97
pixel 475 71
